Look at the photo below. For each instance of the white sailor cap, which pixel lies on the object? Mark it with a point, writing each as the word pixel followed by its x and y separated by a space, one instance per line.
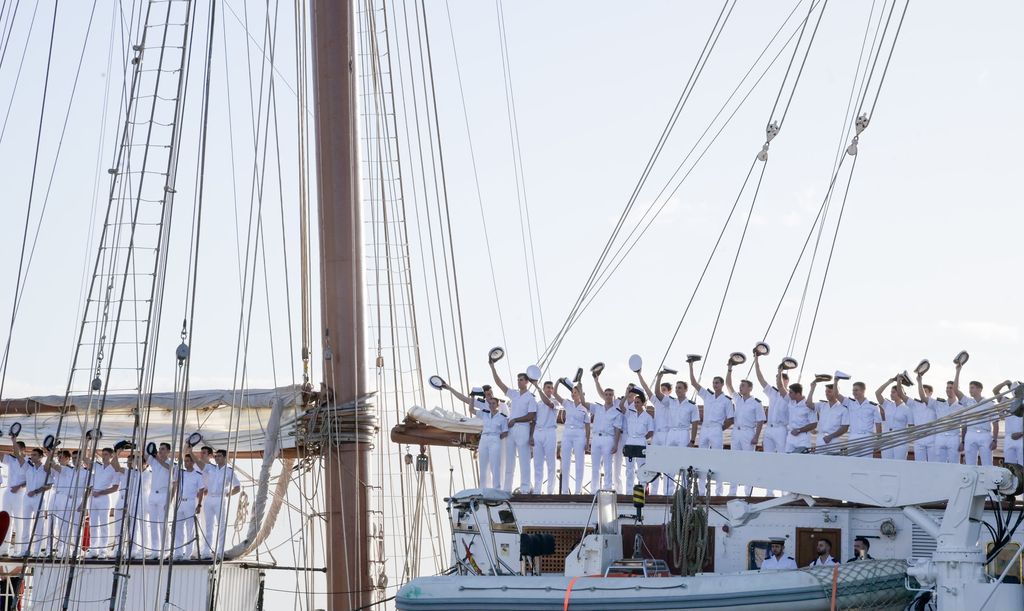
pixel 822 377
pixel 579 375
pixel 476 392
pixel 635 363
pixel 533 373
pixel 922 367
pixel 15 429
pixel 565 382
pixel 737 358
pixel 437 382
pixel 693 358
pixel 788 363
pixel 904 378
pixel 195 439
pixel 495 354
pixel 779 540
pixel 961 358
pixel 761 349
pixel 839 375
pixel 596 369
pixel 667 371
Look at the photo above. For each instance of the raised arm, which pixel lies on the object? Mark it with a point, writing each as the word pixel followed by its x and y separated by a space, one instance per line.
pixel 497 379
pixel 728 380
pixel 693 380
pixel 458 395
pixel 879 394
pixel 999 387
pixel 956 384
pixel 647 389
pixel 597 385
pixel 757 371
pixel 920 389
pixel 810 394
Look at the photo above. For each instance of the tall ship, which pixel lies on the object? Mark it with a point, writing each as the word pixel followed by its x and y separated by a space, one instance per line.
pixel 236 373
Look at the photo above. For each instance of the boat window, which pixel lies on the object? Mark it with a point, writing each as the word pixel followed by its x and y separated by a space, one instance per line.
pixel 998 564
pixel 757 551
pixel 502 519
pixel 506 516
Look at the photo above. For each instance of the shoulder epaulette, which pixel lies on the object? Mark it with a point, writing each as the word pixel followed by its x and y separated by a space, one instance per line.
pixel 502 415
pixel 941 400
pixel 756 399
pixel 873 403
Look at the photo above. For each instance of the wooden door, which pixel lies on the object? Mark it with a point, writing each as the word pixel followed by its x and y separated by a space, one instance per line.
pixel 807 544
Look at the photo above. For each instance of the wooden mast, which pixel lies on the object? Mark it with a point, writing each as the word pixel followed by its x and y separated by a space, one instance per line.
pixel 341 296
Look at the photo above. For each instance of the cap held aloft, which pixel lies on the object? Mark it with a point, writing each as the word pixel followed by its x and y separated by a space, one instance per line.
pixel 693 358
pixel 635 363
pixel 737 358
pixel 761 349
pixel 496 354
pixel 533 373
pixel 437 382
pixel 788 363
pixel 961 358
pixel 922 367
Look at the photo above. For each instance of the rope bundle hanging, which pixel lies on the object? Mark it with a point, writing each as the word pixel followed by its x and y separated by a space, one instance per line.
pixel 688 526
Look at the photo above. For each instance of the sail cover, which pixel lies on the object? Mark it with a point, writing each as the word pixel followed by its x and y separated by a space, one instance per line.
pixel 234 420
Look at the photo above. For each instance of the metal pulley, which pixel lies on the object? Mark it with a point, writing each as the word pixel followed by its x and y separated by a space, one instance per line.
pixel 97 384
pixel 182 352
pixel 422 463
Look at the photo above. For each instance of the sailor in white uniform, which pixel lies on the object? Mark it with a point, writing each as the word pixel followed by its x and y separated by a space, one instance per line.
pixel 544 439
pixel 605 432
pixel 895 415
pixel 495 428
pixel 221 484
pixel 803 419
pixel 749 420
pixel 522 413
pixel 575 417
pixel 1013 431
pixel 36 486
pixel 189 482
pixel 128 505
pixel 922 412
pixel 777 560
pixel 719 413
pixel 104 484
pixel 158 500
pixel 777 421
pixel 865 417
pixel 824 557
pixel 676 413
pixel 67 500
pixel 833 415
pixel 638 428
pixel 943 446
pixel 14 496
pixel 980 438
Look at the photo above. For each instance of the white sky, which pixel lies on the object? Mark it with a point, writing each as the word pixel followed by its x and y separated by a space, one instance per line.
pixel 926 262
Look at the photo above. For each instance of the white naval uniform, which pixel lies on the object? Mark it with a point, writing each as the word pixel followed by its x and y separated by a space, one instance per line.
pixel 14 502
pixel 749 415
pixel 831 416
pixel 68 484
pixel 100 525
pixel 607 420
pixel 189 482
pixel 896 418
pixel 771 563
pixel 776 430
pixel 34 510
pixel 156 507
pixel 863 418
pixel 219 482
pixel 1013 449
pixel 717 409
pixel 799 416
pixel 681 415
pixel 921 414
pixel 978 439
pixel 129 504
pixel 574 443
pixel 518 439
pixel 637 425
pixel 489 450
pixel 545 441
pixel 826 562
pixel 947 443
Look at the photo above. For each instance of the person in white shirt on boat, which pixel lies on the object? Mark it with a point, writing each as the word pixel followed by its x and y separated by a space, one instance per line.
pixel 824 557
pixel 1013 430
pixel 14 496
pixel 604 438
pixel 158 500
pixel 575 417
pixel 69 483
pixel 682 417
pixel 522 413
pixel 220 484
pixel 749 419
pixel 777 560
pixel 544 440
pixel 638 429
pixel 719 413
pixel 777 420
pixel 189 484
pixel 895 415
pixel 36 486
pixel 865 417
pixel 980 438
pixel 623 403
pixel 495 429
pixel 833 415
pixel 104 485
pixel 945 445
pixel 129 502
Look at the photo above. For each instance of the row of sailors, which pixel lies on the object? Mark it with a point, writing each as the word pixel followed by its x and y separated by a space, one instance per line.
pixel 525 431
pixel 49 494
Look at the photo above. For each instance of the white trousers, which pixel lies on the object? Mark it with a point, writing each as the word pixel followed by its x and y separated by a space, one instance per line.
pixel 489 455
pixel 851 437
pixel 742 441
pixel 185 527
pixel 897 453
pixel 924 451
pixel 544 441
pixel 156 522
pixel 518 445
pixel 946 449
pixel 214 525
pixel 617 465
pixel 34 529
pixel 775 438
pixel 66 523
pixel 13 504
pixel 574 447
pixel 100 525
pixel 1013 451
pixel 977 443
pixel 601 447
pixel 660 439
pixel 710 437
pixel 794 442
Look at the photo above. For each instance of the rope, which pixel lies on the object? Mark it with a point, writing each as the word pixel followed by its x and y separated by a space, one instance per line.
pixel 688 526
